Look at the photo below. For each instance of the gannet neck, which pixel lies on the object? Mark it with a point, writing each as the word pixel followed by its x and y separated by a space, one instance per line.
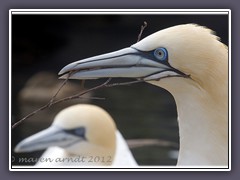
pixel 123 156
pixel 203 131
pixel 202 101
pixel 203 122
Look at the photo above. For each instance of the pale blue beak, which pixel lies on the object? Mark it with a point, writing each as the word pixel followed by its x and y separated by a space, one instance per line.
pixel 125 63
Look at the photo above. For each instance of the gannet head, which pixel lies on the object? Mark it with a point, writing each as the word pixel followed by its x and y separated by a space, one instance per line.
pixel 187 53
pixel 80 130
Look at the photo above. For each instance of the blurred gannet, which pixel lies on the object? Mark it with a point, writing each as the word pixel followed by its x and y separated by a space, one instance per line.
pixel 192 64
pixel 80 135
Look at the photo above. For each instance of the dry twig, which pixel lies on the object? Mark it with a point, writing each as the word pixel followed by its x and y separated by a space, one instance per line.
pixel 78 95
pixel 141 31
pixel 105 84
pixel 49 104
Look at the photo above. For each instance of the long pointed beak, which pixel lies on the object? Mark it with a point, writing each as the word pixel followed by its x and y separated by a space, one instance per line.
pixel 128 63
pixel 52 136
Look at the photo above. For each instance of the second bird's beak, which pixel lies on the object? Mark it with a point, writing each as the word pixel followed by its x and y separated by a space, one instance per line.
pixel 52 136
pixel 126 63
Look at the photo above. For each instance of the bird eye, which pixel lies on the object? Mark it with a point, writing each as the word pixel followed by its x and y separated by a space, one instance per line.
pixel 161 54
pixel 79 131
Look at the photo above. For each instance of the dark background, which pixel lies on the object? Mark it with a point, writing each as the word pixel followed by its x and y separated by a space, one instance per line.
pixel 46 43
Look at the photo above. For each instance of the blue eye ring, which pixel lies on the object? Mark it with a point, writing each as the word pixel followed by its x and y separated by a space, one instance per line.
pixel 161 54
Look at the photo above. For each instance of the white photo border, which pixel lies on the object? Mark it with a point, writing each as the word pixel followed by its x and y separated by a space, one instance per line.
pixel 121 12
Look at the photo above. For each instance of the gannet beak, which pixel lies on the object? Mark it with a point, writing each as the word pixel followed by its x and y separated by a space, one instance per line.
pixel 52 136
pixel 126 63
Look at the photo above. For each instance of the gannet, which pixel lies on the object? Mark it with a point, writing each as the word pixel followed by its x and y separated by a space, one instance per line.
pixel 191 63
pixel 80 135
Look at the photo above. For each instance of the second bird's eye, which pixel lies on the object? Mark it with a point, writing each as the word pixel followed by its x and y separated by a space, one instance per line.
pixel 79 131
pixel 161 54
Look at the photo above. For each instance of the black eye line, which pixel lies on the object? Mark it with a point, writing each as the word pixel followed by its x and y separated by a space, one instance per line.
pixel 80 132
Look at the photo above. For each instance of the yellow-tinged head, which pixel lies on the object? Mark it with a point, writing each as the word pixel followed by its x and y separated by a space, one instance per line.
pixel 193 50
pixel 98 124
pixel 81 130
